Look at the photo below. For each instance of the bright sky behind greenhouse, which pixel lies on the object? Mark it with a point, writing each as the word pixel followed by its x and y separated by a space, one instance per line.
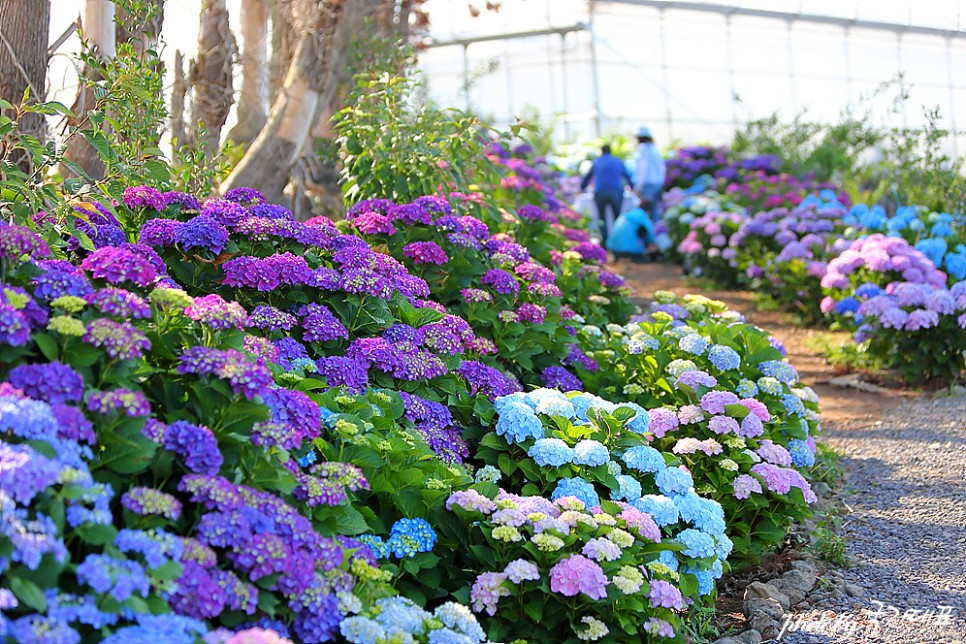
pixel 638 61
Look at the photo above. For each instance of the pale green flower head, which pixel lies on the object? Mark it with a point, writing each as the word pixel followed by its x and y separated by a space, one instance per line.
pixel 66 325
pixel 69 303
pixel 14 299
pixel 170 298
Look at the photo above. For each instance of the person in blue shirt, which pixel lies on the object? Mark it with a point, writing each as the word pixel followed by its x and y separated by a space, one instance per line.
pixel 649 172
pixel 608 174
pixel 632 236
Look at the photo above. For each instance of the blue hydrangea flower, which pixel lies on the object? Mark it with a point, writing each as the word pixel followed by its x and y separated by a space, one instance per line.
pixel 867 290
pixel 517 423
pixel 630 489
pixel 361 630
pixel 704 514
pixel 401 615
pixel 846 305
pixel 669 559
pixel 746 389
pixel 697 544
pixel 660 507
pixel 409 536
pixel 448 636
pixel 770 386
pixel 584 402
pixel 579 488
pixel 590 453
pixel 780 370
pixel 551 452
pixel 724 358
pixel 723 547
pixel 673 481
pixel 641 421
pixel 152 629
pixel 802 456
pixel 503 402
pixel 793 404
pixel 644 458
pixel 693 343
pixel 705 579
pixel 459 618
pixel 551 402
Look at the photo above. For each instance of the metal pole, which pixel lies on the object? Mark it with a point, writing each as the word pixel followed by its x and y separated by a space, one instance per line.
pixel 848 62
pixel 664 73
pixel 466 77
pixel 565 85
pixel 731 71
pixel 791 65
pixel 593 69
pixel 952 104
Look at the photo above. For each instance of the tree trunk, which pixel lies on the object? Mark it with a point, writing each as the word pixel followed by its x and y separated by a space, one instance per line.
pixel 269 160
pixel 283 42
pixel 211 77
pixel 178 90
pixel 391 22
pixel 253 101
pixel 24 25
pixel 142 33
pixel 327 29
pixel 98 30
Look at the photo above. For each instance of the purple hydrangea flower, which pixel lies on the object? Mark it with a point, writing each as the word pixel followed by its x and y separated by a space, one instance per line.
pixel 118 265
pixel 213 311
pixel 143 197
pixel 120 340
pixel 204 232
pixel 560 378
pixel 426 252
pixel 53 383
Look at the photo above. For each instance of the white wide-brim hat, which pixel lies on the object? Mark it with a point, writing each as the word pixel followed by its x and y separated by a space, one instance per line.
pixel 644 133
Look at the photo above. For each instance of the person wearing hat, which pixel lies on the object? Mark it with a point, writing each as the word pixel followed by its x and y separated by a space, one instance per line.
pixel 649 173
pixel 608 174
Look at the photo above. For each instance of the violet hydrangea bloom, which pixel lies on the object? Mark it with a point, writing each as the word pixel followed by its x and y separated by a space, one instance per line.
pixel 120 340
pixel 143 197
pixel 217 313
pixel 578 574
pixel 559 378
pixel 18 241
pixel 118 265
pixel 53 382
pixel 500 281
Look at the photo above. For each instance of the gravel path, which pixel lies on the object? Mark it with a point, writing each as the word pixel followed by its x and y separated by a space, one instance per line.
pixel 906 487
pixel 905 456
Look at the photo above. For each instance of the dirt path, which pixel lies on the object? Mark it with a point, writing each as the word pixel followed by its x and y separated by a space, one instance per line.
pixel 841 407
pixel 905 494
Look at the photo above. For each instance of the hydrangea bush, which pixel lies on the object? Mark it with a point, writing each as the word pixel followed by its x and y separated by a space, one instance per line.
pixel 585 504
pixel 165 448
pixel 721 398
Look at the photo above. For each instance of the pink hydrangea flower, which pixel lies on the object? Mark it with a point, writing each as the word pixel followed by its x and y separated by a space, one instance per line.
pixel 578 574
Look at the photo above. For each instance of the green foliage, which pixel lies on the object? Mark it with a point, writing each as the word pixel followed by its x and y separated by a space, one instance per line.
pixel 826 151
pixel 395 149
pixel 840 351
pixel 874 163
pixel 826 543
